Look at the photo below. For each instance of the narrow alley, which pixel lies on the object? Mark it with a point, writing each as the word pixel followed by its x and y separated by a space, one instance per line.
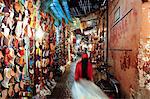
pixel 74 49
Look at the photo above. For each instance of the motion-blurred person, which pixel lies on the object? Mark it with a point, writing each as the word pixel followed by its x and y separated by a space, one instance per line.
pixel 83 87
pixel 84 69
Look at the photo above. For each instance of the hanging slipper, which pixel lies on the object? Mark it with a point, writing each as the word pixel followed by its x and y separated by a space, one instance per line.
pixel 7 77
pixel 7 72
pixel 12 72
pixel 11 91
pixel 12 55
pixel 16 88
pixel 45 71
pixel 1 55
pixel 18 74
pixel 22 84
pixel 17 9
pixel 29 89
pixel 31 63
pixel 4 94
pixel 19 30
pixel 31 71
pixel 1 77
pixel 37 88
pixel 47 62
pixel 48 91
pixel 43 62
pixel 38 64
pixel 8 57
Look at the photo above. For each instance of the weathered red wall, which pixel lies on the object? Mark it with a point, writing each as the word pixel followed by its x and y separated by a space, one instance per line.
pixel 124 42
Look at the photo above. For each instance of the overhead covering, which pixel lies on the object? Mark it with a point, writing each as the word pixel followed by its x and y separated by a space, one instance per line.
pixel 59 9
pixel 80 8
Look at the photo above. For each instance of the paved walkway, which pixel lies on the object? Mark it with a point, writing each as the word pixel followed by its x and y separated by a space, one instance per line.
pixel 63 87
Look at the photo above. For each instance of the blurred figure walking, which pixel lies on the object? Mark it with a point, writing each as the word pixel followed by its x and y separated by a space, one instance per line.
pixel 84 69
pixel 83 87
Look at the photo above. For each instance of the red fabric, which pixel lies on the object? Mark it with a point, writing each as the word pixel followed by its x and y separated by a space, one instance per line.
pixel 84 55
pixel 21 52
pixel 7 51
pixel 78 71
pixel 74 40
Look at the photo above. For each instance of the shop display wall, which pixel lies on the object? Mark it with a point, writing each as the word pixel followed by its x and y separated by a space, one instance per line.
pixel 27 50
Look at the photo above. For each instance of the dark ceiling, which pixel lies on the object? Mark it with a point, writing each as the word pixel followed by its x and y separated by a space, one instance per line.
pixel 81 8
pixel 144 0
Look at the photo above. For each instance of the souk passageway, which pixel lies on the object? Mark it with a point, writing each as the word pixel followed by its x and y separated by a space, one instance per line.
pixel 75 49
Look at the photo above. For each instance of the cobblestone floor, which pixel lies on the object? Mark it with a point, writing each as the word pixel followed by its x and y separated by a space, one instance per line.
pixel 63 87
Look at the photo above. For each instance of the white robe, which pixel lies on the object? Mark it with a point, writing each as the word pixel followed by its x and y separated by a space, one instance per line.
pixel 85 89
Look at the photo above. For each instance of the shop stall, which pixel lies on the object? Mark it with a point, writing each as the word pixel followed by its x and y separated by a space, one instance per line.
pixel 28 49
